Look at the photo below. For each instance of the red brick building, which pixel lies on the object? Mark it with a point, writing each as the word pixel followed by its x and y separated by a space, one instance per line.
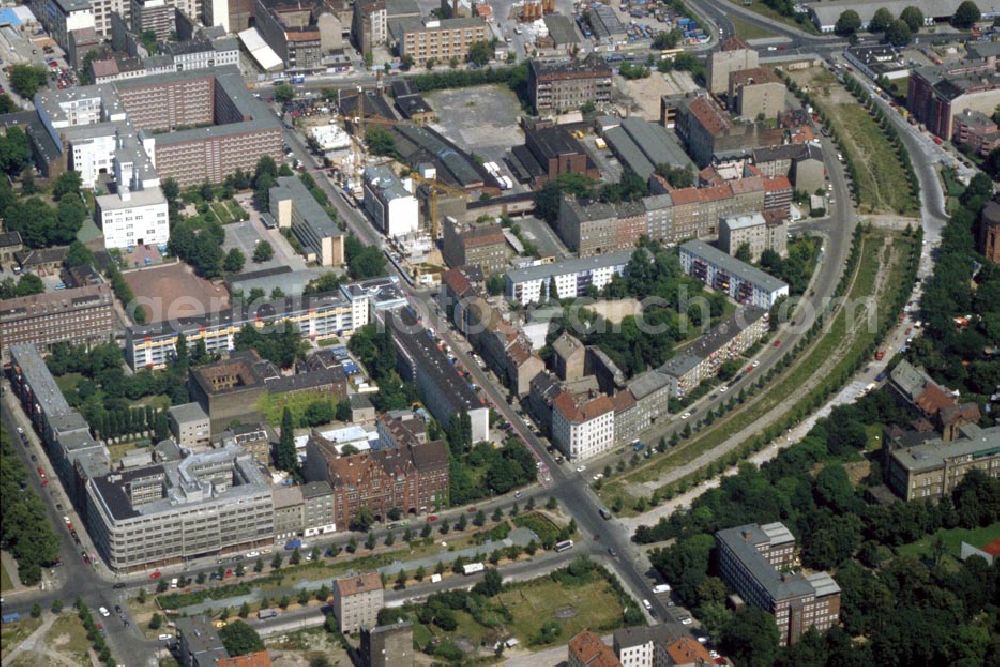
pixel 413 478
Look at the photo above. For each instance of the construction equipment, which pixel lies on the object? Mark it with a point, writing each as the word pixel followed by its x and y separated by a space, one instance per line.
pixel 433 185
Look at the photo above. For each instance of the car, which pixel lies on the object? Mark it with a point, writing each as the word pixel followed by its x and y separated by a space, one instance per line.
pixel 612 553
pixel 253 554
pixel 777 343
pixel 686 621
pixel 154 575
pixel 598 477
pixel 581 468
pixel 220 624
pixel 20 431
pixel 518 494
pixel 173 582
pixel 431 519
pixel 723 388
pixel 104 612
pixel 66 520
pixel 646 605
pixel 713 654
pixel 120 584
pixel 34 458
pixel 685 415
pixel 165 637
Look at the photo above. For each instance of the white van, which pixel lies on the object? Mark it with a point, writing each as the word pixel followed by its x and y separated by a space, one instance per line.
pixel 646 605
pixel 661 588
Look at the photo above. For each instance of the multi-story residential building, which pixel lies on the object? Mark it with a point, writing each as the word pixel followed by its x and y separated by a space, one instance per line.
pixel 290 29
pixel 413 478
pixel 550 152
pixel 74 453
pixel 659 216
pixel 370 26
pixel 294 208
pixel 688 652
pixel 742 282
pixel 754 232
pixel 583 428
pixel 933 469
pixel 802 163
pixel 752 560
pixel 684 372
pixel 568 279
pixel 595 228
pixel 445 393
pixel 357 601
pixel 198 642
pixel 938 93
pixel 63 17
pixel 733 55
pixel 642 646
pixel 130 219
pixel 82 315
pixel 189 425
pixel 989 231
pixel 652 391
pixel 388 645
pixel 389 202
pixel 288 516
pixel 212 502
pixel 696 212
pixel 587 650
pixel 318 502
pixel 201 53
pixel 554 88
pixel 155 16
pixel 756 93
pixel 316 316
pixel 440 40
pixel 710 133
pixel 778 196
pixel 569 357
pixel 480 245
pixel 977 131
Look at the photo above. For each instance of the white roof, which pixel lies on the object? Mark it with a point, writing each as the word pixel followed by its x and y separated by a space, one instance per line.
pixel 259 50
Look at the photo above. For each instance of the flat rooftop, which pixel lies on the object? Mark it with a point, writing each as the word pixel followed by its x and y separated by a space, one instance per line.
pixel 733 266
pixel 543 271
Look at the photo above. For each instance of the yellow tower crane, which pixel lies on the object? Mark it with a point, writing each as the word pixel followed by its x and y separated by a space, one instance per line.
pixel 434 185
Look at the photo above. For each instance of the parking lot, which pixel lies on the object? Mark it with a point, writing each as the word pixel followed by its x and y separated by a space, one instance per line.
pixel 247 235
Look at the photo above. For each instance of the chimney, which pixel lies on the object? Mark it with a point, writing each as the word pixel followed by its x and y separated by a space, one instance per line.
pixel 746 535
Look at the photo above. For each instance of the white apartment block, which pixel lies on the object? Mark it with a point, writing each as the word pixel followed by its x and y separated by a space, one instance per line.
pixel 571 278
pixel 583 431
pixel 129 219
pixel 92 155
pixel 390 203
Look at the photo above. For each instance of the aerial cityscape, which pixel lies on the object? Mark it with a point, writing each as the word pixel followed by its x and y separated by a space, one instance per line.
pixel 584 333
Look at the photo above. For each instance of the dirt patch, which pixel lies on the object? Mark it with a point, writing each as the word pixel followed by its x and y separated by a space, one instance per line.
pixel 565 612
pixel 616 311
pixel 173 291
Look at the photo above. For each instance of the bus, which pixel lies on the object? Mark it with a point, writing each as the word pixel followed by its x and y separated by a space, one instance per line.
pixel 472 568
pixel 565 545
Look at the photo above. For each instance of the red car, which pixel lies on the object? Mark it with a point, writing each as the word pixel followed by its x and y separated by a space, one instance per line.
pixel 472 510
pixel 227 574
pixel 154 575
pixel 431 519
pixel 777 343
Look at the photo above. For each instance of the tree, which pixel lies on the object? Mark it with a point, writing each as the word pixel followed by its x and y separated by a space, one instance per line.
pixel 238 638
pixel 15 155
pixel 363 520
pixel 743 253
pixel 992 164
pixel 913 17
pixel 155 622
pixel 380 141
pixel 965 16
pixel 285 457
pixel 480 53
pixel 666 40
pixel 898 33
pixel 407 62
pixel 751 638
pixel 284 93
pixel 244 610
pixel 234 261
pixel 678 177
pixel 263 252
pixel 496 284
pixel 68 182
pixel 881 20
pixel 491 585
pixel 7 104
pixel 848 23
pixel 79 255
pixel 25 80
pixel 296 557
pixel 148 39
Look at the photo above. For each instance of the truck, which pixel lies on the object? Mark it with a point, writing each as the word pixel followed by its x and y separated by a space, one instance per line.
pixel 267 613
pixel 298 79
pixel 472 568
pixel 292 545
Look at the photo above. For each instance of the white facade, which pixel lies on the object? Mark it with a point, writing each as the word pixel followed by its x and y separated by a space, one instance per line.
pixel 585 439
pixel 392 207
pixel 480 419
pixel 128 218
pixel 93 156
pixel 571 278
pixel 216 12
pixel 745 284
pixel 639 655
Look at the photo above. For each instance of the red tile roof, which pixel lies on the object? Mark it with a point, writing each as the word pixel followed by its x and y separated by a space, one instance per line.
pixel 933 399
pixel 588 649
pixel 709 115
pixel 686 650
pixel 258 659
pixel 578 413
pixel 456 281
pixel 363 583
pixel 777 183
pixel 712 193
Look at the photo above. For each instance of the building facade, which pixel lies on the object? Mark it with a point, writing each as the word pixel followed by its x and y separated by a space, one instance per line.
pixel 388 645
pixel 440 40
pixel 933 469
pixel 742 282
pixel 937 94
pixel 567 279
pixel 989 231
pixel 290 29
pixel 80 316
pixel 357 601
pixel 481 245
pixel 754 232
pixel 293 207
pixel 595 228
pixel 189 425
pixel 583 428
pixel 734 55
pixel 392 206
pixel 130 219
pixel 554 88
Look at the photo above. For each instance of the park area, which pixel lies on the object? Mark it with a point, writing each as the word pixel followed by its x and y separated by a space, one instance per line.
pixel 880 176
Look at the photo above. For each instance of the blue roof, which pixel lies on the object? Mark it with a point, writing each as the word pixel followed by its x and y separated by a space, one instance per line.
pixel 9 16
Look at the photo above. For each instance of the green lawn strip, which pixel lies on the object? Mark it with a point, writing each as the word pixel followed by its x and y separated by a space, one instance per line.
pixel 68 381
pixel 544 527
pixel 779 393
pixel 952 538
pixel 746 30
pixel 237 211
pixel 12 634
pixel 222 213
pixel 5 581
pixel 272 405
pixel 759 7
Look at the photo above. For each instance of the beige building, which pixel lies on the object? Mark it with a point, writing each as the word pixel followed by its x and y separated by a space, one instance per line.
pixel 933 469
pixel 570 357
pixel 755 232
pixel 357 601
pixel 293 207
pixel 440 40
pixel 756 92
pixel 83 315
pixel 596 228
pixel 475 244
pixel 734 55
pixel 189 424
pixel 583 428
pixel 288 512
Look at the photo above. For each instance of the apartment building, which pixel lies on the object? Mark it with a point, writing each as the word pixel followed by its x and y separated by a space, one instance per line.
pixel 155 16
pixel 756 93
pixel 440 40
pixel 440 387
pixel 642 646
pixel 742 282
pixel 554 88
pixel 130 219
pixel 481 245
pixel 587 650
pixel 933 469
pixel 290 28
pixel 710 133
pixel 288 520
pixel 938 93
pixel 388 645
pixel 369 23
pixel 594 228
pixel 74 453
pixel 733 55
pixel 413 478
pixel 63 17
pixel 569 279
pixel 651 390
pixel 989 231
pixel 695 212
pixel 584 427
pixel 212 502
pixel 357 601
pixel 977 131
pixel 293 207
pixel 81 316
pixel 390 203
pixel 316 316
pixel 189 425
pixel 253 437
pixel 753 561
pixel 801 163
pixel 754 232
